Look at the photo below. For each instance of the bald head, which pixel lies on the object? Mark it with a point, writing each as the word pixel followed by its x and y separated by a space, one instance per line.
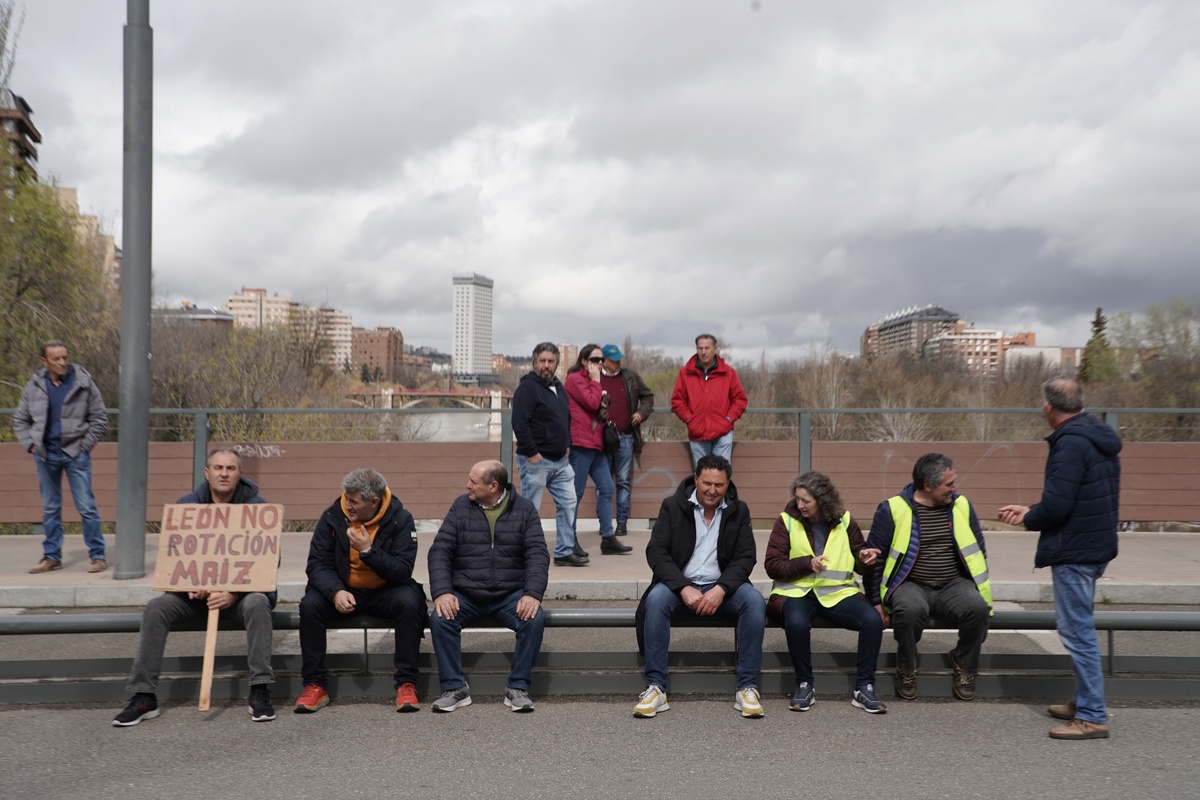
pixel 486 482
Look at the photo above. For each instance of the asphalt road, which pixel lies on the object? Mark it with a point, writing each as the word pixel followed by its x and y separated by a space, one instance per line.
pixel 593 748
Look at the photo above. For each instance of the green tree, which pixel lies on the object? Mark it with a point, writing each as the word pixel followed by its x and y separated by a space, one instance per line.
pixel 1099 362
pixel 52 284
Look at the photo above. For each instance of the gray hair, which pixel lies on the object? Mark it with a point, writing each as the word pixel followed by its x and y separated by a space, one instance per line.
pixel 215 450
pixel 930 471
pixel 52 343
pixel 546 347
pixel 364 482
pixel 1064 395
pixel 708 336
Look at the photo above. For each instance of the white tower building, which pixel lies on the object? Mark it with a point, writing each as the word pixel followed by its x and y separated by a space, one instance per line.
pixel 472 338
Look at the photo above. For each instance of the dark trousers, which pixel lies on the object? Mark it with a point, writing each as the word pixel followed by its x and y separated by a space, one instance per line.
pixel 403 605
pixel 958 602
pixel 852 613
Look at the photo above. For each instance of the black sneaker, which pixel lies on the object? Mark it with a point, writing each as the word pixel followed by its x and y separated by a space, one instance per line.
pixel 261 709
pixel 141 706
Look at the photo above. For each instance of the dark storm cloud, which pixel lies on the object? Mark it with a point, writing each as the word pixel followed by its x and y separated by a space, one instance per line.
pixel 781 174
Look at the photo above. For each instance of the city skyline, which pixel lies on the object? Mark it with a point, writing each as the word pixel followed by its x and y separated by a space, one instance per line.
pixel 778 174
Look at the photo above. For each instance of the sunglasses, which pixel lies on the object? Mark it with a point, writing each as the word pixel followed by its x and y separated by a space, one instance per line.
pixel 596 359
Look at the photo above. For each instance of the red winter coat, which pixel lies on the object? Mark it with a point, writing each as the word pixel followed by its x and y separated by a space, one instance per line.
pixel 708 405
pixel 585 396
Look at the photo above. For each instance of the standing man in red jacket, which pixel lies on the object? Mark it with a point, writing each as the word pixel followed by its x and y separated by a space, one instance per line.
pixel 709 398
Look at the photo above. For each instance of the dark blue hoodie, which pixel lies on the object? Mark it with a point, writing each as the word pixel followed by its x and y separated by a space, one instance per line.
pixel 541 418
pixel 1077 514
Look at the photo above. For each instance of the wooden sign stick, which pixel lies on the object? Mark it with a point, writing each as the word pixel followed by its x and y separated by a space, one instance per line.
pixel 210 654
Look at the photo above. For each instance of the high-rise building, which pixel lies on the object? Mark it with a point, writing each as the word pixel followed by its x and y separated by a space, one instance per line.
pixel 472 336
pixel 907 330
pixel 381 349
pixel 17 131
pixel 331 324
pixel 253 308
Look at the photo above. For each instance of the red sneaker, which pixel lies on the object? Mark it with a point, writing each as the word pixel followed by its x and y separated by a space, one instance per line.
pixel 312 699
pixel 406 698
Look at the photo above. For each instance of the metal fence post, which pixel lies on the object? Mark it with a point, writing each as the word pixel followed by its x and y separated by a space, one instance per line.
pixel 506 438
pixel 200 447
pixel 805 441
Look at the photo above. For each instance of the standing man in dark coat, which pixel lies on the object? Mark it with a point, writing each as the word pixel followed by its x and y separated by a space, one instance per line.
pixel 361 559
pixel 541 420
pixel 1078 520
pixel 489 559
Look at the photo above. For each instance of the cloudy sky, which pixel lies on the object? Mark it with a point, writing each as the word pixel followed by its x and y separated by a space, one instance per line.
pixel 780 173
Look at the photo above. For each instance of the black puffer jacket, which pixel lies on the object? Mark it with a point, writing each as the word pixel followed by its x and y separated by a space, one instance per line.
pixel 393 551
pixel 1078 514
pixel 465 558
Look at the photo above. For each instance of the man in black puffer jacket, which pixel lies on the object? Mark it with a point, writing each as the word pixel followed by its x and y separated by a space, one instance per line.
pixel 489 559
pixel 1078 519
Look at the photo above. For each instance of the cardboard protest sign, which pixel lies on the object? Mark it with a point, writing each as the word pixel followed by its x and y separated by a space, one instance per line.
pixel 218 547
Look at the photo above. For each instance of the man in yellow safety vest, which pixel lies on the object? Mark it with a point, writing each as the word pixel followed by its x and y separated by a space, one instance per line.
pixel 934 567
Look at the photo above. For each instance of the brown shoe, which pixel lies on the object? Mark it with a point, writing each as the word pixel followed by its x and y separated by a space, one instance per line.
pixel 45 565
pixel 963 682
pixel 98 565
pixel 1062 710
pixel 1079 729
pixel 906 685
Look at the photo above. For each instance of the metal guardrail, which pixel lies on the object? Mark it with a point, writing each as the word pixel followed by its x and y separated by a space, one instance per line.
pixel 589 672
pixel 804 420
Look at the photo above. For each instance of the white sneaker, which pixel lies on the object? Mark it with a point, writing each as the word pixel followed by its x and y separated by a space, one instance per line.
pixel 747 702
pixel 651 701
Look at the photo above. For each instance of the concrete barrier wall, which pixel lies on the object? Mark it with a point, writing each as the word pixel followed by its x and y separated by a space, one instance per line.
pixel 1160 481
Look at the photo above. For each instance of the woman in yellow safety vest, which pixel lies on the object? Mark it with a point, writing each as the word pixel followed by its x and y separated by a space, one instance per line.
pixel 814 550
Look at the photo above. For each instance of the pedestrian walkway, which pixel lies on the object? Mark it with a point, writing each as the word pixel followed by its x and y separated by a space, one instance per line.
pixel 1153 568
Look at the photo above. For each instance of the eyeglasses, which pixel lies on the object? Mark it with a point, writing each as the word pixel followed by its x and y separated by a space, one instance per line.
pixel 596 359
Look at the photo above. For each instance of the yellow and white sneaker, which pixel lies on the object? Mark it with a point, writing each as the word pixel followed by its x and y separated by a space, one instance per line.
pixel 651 701
pixel 747 702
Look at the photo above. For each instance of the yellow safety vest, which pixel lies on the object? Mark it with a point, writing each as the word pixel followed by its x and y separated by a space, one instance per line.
pixel 964 537
pixel 834 584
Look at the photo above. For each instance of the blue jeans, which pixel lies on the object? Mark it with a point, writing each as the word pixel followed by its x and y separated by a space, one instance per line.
pixel 721 446
pixel 623 469
pixel 559 478
pixel 447 639
pixel 852 613
pixel 79 478
pixel 584 462
pixel 1074 594
pixel 746 604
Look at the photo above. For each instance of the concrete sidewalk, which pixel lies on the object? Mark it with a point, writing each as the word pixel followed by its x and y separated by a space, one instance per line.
pixel 1153 568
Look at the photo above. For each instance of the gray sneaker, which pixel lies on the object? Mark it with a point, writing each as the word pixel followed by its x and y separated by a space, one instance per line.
pixel 517 699
pixel 455 698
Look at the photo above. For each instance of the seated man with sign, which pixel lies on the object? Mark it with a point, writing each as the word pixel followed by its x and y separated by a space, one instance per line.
pixel 223 483
pixel 361 559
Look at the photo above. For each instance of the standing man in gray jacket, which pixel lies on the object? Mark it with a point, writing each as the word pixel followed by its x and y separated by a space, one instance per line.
pixel 59 420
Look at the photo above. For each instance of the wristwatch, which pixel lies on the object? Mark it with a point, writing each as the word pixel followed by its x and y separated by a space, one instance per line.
pixel 365 551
